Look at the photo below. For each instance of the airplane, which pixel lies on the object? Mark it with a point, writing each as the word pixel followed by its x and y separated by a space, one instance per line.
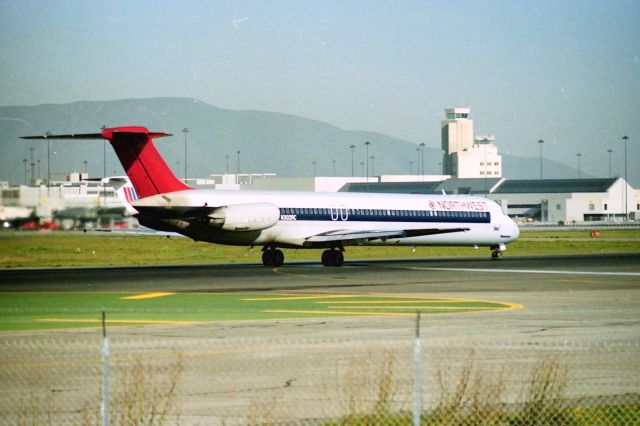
pixel 301 220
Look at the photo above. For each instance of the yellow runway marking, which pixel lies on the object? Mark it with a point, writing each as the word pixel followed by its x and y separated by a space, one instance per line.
pixel 382 305
pixel 371 314
pixel 392 302
pixel 147 296
pixel 112 321
pixel 453 308
pixel 328 296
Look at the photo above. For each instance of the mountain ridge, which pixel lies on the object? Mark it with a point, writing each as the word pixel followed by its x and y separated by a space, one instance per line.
pixel 273 142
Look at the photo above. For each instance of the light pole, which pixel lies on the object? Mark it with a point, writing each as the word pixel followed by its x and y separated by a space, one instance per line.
pixel 334 168
pixel 24 160
pixel 48 161
pixel 352 148
pixel 579 155
pixel 610 151
pixel 238 173
pixel 104 154
pixel 410 167
pixel 314 168
pixel 185 131
pixel 85 166
pixel 540 142
pixel 104 167
pixel 38 161
pixel 626 208
pixel 373 173
pixel 366 144
pixel 32 166
pixel 422 160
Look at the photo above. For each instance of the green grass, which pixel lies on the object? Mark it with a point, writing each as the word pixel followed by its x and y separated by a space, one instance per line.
pixel 29 311
pixel 582 233
pixel 623 414
pixel 26 249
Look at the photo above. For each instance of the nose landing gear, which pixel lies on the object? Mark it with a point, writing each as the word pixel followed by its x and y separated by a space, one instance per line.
pixel 496 251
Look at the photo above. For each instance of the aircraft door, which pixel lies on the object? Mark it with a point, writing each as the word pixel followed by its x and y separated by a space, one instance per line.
pixel 339 213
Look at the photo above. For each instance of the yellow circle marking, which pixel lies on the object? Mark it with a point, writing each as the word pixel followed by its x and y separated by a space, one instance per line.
pixel 383 305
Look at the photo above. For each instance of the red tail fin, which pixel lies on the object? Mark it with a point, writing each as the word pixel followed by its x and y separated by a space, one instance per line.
pixel 134 146
pixel 142 162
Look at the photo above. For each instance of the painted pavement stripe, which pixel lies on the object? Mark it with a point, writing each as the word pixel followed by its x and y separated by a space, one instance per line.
pixel 526 271
pixel 391 302
pixel 372 314
pixel 147 296
pixel 453 308
pixel 326 296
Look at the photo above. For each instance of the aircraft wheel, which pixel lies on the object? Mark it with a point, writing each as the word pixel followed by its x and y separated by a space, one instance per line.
pixel 332 258
pixel 496 255
pixel 327 258
pixel 278 258
pixel 267 258
pixel 272 257
pixel 338 258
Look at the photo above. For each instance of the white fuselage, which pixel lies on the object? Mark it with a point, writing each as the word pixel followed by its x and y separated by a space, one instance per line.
pixel 303 215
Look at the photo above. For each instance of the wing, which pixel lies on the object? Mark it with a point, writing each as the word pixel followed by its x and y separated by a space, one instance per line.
pixel 355 237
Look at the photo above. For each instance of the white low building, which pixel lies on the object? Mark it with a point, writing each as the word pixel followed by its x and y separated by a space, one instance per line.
pixel 569 200
pixel 548 200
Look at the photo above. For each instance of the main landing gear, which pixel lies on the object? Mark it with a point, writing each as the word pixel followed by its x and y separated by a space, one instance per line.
pixel 332 257
pixel 272 257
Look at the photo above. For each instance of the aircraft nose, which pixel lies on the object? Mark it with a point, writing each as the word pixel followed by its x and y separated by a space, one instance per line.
pixel 515 229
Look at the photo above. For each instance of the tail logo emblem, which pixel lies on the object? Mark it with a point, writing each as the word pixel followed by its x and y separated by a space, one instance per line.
pixel 130 194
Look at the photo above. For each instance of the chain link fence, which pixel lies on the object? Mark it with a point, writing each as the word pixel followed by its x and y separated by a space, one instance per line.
pixel 207 381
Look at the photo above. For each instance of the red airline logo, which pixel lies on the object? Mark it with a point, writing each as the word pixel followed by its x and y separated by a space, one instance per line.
pixel 470 206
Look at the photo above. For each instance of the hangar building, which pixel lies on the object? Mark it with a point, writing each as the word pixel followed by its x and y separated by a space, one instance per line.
pixel 547 200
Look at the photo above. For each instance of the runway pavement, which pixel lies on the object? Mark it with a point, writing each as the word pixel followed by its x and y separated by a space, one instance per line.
pixel 564 298
pixel 542 273
pixel 584 308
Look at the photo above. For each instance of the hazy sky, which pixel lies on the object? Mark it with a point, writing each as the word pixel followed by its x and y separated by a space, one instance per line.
pixel 567 72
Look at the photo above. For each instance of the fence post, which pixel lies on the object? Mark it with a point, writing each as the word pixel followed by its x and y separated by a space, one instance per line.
pixel 417 384
pixel 104 408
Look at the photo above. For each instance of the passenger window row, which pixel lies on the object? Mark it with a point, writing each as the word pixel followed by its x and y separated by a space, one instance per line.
pixel 381 213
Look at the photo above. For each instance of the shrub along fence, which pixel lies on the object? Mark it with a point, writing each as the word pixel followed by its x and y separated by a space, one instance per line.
pixel 174 380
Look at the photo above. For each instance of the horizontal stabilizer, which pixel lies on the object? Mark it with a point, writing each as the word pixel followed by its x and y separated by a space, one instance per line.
pixel 130 132
pixel 134 147
pixel 72 136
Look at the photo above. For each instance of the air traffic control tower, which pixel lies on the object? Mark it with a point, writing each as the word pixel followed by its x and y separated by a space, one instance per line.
pixel 464 156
